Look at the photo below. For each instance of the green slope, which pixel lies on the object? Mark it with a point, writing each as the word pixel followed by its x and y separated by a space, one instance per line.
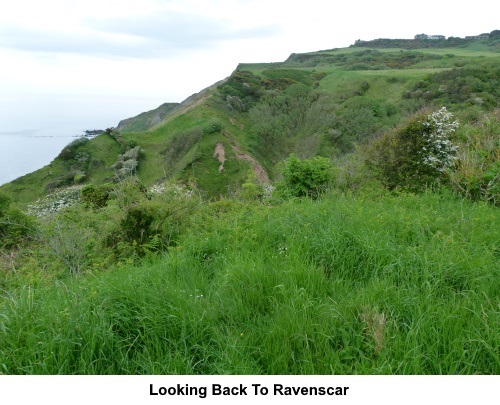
pixel 356 275
pixel 146 120
pixel 319 103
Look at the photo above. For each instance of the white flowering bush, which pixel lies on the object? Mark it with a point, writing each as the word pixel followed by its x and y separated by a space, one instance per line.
pixel 54 202
pixel 170 190
pixel 439 152
pixel 417 154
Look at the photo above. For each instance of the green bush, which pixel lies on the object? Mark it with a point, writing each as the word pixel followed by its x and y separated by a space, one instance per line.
pixel 306 178
pixel 148 221
pixel 213 126
pixel 243 85
pixel 70 238
pixel 96 196
pixel 14 225
pixel 476 174
pixel 127 163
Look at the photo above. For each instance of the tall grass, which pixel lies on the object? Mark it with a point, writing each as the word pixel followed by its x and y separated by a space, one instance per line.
pixel 371 284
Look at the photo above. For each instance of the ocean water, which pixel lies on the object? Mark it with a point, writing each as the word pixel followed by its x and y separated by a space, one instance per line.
pixel 35 128
pixel 25 151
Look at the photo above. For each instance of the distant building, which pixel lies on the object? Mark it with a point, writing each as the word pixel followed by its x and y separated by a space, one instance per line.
pixel 424 36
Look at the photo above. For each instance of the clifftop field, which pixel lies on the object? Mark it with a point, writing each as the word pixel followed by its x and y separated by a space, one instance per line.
pixel 335 213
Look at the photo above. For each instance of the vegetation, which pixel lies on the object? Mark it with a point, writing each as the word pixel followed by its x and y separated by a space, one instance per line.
pixel 302 178
pixel 491 40
pixel 416 155
pixel 147 120
pixel 333 213
pixel 382 284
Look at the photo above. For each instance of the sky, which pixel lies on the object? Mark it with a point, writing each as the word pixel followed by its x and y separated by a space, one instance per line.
pixel 166 50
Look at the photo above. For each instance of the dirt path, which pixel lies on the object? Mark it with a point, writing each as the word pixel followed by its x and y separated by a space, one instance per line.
pixel 260 173
pixel 221 152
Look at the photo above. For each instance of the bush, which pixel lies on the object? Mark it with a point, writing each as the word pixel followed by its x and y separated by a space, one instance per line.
pixel 149 221
pixel 54 202
pixel 306 178
pixel 476 174
pixel 417 154
pixel 127 163
pixel 213 126
pixel 69 238
pixel 96 196
pixel 14 225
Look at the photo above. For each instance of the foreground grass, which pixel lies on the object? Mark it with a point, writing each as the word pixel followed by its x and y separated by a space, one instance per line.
pixel 369 284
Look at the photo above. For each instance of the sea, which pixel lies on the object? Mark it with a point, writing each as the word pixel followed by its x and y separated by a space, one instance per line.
pixel 35 128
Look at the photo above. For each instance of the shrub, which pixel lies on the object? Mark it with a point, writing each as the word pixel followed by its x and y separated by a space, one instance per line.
pixel 307 177
pixel 14 225
pixel 244 85
pixel 127 163
pixel 55 202
pixel 79 178
pixel 213 126
pixel 417 154
pixel 96 196
pixel 66 237
pixel 149 220
pixel 476 174
pixel 252 189
pixel 114 134
pixel 235 103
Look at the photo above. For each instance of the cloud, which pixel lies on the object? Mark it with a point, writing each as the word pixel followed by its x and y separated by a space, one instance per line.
pixel 177 27
pixel 159 35
pixel 37 40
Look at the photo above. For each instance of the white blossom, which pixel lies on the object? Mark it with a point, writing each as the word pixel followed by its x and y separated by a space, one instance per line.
pixel 439 152
pixel 54 202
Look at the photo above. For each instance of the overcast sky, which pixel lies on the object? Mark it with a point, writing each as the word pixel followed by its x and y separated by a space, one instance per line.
pixel 169 49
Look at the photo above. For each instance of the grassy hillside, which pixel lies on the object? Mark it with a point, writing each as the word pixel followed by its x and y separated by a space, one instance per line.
pixel 336 212
pixel 147 120
pixel 320 103
pixel 374 284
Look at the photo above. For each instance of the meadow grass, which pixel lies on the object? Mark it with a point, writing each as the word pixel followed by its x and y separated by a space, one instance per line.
pixel 367 284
